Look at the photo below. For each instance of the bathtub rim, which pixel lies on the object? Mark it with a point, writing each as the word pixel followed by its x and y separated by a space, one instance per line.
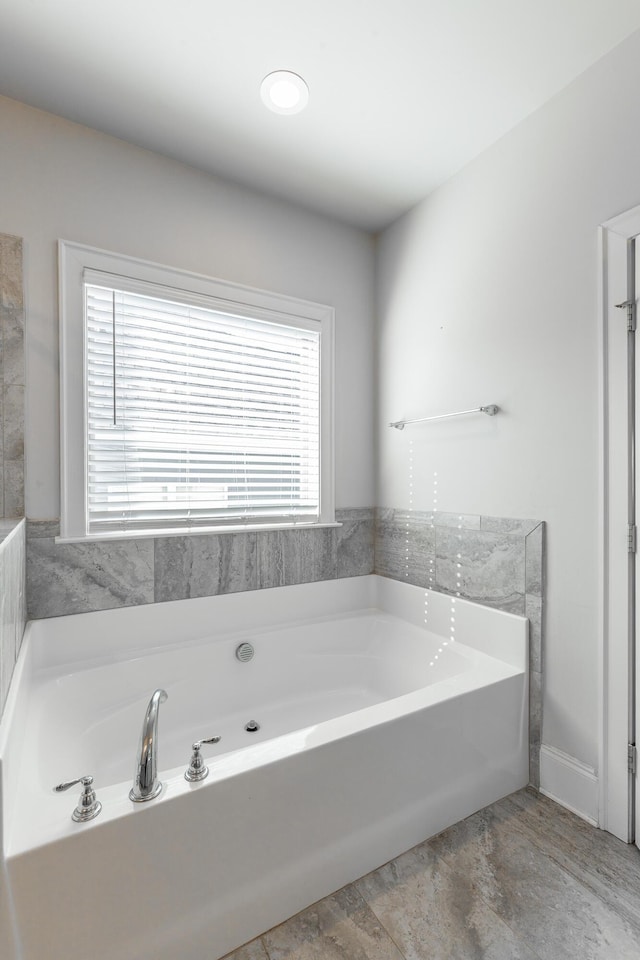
pixel 305 602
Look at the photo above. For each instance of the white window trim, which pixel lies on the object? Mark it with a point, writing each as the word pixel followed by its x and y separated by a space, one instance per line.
pixel 73 260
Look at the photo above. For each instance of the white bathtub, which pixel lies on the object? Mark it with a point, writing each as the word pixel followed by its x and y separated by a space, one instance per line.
pixel 386 713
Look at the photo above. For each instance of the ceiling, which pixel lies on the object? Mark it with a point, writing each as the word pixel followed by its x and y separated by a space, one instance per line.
pixel 402 94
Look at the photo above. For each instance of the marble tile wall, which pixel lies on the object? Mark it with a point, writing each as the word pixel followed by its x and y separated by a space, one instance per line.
pixel 80 577
pixel 495 561
pixel 12 378
pixel 12 600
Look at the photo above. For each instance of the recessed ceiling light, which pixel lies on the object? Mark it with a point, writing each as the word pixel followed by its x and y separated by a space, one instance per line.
pixel 284 92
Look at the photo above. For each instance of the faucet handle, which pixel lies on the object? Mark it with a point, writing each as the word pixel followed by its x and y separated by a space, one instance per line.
pixel 198 743
pixel 88 805
pixel 197 770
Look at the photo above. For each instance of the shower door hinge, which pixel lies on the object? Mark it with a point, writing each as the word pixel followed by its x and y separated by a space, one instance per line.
pixel 630 307
pixel 632 538
pixel 632 758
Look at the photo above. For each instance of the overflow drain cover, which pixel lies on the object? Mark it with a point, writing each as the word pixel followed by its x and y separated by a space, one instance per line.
pixel 245 652
pixel 252 726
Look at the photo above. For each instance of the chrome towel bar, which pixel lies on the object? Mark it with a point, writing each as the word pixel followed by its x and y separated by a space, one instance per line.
pixel 490 410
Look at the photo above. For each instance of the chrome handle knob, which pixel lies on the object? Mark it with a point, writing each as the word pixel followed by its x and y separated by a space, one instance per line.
pixel 197 769
pixel 88 805
pixel 198 743
pixel 85 781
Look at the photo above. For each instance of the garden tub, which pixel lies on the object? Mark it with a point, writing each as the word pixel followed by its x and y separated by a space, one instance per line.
pixel 378 713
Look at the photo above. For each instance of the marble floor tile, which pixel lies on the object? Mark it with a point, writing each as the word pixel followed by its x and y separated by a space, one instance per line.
pixel 559 916
pixel 433 912
pixel 341 927
pixel 550 825
pixel 251 951
pixel 605 865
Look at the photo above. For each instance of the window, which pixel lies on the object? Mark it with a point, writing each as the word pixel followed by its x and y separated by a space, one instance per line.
pixel 189 403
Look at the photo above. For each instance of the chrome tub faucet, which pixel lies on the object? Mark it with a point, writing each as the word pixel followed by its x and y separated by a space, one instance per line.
pixel 146 785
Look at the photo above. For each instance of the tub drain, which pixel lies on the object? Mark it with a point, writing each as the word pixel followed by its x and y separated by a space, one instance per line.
pixel 245 652
pixel 252 726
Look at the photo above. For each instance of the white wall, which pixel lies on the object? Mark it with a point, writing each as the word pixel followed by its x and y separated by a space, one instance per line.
pixel 487 293
pixel 62 180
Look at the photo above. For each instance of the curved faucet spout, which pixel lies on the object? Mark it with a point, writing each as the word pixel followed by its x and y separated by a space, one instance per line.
pixel 146 785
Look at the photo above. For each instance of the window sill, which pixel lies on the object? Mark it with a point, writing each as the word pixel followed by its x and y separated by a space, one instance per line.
pixel 195 531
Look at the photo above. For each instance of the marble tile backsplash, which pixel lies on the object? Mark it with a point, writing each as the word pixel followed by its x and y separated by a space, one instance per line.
pixel 491 560
pixel 12 600
pixel 205 565
pixel 68 578
pixel 12 378
pixel 81 577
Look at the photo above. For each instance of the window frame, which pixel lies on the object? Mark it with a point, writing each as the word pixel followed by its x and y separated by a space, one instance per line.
pixel 73 260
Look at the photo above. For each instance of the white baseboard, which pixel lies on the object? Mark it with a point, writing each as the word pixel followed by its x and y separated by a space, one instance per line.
pixel 569 782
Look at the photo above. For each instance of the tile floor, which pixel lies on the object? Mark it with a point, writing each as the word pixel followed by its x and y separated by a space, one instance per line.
pixel 521 880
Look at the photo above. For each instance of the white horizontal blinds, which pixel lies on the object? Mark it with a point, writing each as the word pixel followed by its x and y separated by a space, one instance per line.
pixel 197 416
